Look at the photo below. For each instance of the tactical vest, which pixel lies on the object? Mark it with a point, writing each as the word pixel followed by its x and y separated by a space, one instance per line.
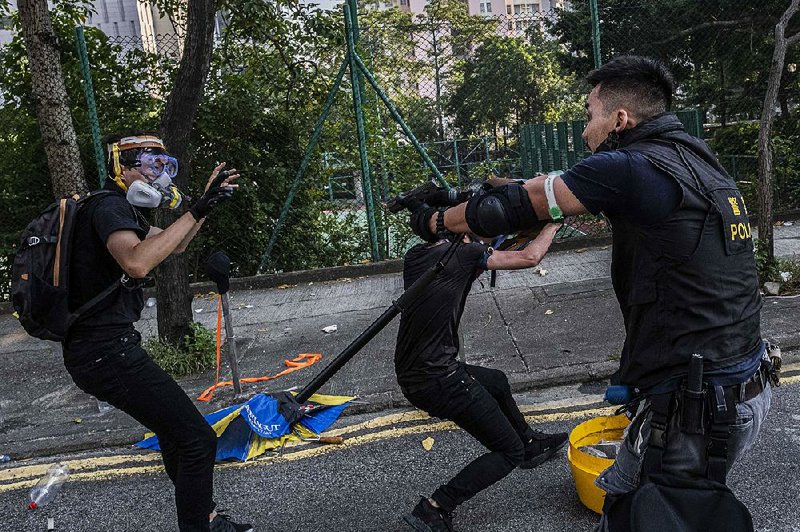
pixel 687 285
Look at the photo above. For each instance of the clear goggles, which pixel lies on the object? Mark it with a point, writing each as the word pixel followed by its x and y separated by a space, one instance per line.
pixel 154 165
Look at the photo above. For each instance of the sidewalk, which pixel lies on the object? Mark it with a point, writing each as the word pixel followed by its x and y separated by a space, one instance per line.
pixel 564 326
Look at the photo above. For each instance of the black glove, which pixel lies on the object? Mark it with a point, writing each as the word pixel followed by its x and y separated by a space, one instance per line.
pixel 421 214
pixel 212 197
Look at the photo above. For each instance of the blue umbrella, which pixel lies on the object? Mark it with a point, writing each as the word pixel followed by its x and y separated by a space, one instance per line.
pixel 267 422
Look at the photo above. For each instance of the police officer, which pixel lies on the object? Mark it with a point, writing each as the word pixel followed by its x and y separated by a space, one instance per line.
pixel 682 268
pixel 102 350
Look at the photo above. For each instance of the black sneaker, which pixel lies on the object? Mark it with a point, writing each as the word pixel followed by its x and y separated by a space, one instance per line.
pixel 427 518
pixel 542 447
pixel 223 523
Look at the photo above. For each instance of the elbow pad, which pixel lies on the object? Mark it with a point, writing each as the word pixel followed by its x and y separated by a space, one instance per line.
pixel 500 211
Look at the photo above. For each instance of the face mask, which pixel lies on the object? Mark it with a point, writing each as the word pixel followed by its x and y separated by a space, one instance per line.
pixel 160 193
pixel 159 169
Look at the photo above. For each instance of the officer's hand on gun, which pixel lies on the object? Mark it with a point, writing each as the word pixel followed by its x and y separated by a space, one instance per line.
pixel 424 201
pixel 218 189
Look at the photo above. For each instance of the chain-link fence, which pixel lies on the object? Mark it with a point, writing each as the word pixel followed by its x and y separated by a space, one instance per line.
pixel 466 84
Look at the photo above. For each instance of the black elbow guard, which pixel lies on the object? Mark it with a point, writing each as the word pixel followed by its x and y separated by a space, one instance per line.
pixel 500 211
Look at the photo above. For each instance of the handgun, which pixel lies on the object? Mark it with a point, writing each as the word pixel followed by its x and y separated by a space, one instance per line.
pixel 395 204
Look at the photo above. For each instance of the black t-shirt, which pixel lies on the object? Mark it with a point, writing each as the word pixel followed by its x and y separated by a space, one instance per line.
pixel 427 342
pixel 621 183
pixel 93 269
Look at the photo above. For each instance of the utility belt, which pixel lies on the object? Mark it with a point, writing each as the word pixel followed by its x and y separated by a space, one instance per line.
pixel 704 409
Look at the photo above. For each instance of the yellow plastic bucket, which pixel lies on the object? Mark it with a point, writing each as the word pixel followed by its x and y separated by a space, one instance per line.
pixel 585 467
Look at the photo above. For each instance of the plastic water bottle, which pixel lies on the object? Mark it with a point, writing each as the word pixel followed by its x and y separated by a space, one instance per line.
pixel 48 486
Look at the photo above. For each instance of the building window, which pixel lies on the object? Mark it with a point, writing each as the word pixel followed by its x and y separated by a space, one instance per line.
pixel 488 7
pixel 535 8
pixel 105 11
pixel 133 28
pixel 517 9
pixel 483 8
pixel 508 9
pixel 122 9
pixel 116 30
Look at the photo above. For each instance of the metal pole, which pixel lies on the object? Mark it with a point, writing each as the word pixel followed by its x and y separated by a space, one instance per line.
pixel 398 306
pixel 595 15
pixel 230 340
pixel 457 162
pixel 312 143
pixel 362 139
pixel 88 92
pixel 396 115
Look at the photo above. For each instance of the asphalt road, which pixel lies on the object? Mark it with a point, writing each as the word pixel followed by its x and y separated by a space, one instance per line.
pixel 379 473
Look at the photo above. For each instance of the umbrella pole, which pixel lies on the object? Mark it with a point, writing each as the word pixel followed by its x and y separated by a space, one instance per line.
pixel 230 339
pixel 377 326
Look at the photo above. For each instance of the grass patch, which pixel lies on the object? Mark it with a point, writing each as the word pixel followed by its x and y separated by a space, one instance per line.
pixel 197 353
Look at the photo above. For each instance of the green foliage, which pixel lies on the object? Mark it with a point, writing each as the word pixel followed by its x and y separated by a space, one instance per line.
pixel 737 146
pixel 511 82
pixel 785 271
pixel 196 353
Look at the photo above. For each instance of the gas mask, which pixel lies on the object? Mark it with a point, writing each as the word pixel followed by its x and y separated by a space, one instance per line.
pixel 155 165
pixel 157 189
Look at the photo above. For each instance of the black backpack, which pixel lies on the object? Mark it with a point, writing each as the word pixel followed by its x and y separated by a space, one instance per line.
pixel 40 273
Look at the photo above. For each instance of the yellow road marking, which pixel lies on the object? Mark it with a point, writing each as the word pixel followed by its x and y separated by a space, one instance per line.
pixel 37 470
pixel 309 452
pixel 86 469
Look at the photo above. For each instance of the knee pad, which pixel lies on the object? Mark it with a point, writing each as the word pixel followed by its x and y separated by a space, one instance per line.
pixel 501 210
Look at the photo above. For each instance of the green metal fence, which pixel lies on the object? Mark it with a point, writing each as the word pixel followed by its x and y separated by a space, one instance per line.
pixel 482 93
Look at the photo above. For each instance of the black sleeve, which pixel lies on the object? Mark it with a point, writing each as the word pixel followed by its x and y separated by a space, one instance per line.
pixel 470 256
pixel 114 213
pixel 625 184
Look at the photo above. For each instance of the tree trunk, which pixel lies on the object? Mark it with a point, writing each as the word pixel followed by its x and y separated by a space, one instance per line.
pixel 172 276
pixel 765 132
pixel 50 96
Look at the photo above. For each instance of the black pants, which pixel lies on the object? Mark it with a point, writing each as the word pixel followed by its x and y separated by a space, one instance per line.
pixel 124 375
pixel 479 401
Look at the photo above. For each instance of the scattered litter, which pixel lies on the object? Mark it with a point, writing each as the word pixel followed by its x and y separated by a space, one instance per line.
pixel 51 523
pixel 287 329
pixel 330 329
pixel 310 283
pixel 4 458
pixel 788 224
pixel 248 306
pixel 103 407
pixel 345 280
pixel 603 449
pixel 15 314
pixel 542 272
pixel 772 289
pixel 77 420
pixel 198 310
pixel 151 302
pixel 427 443
pixel 48 486
pixel 548 312
pixel 786 276
pixel 282 286
pixel 581 250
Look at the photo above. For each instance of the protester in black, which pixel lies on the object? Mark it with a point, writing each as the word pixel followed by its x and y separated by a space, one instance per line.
pixel 683 268
pixel 477 399
pixel 103 353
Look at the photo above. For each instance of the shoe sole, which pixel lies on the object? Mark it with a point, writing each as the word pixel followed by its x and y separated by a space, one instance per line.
pixel 542 458
pixel 416 523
